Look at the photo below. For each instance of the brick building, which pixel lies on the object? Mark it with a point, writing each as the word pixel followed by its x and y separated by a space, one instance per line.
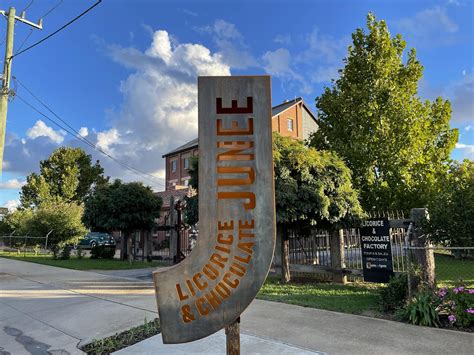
pixel 292 118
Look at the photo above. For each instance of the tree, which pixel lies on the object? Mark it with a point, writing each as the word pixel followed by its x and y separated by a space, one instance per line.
pixel 60 217
pixel 395 144
pixel 312 188
pixel 191 212
pixel 64 219
pixel 122 206
pixel 68 174
pixel 451 212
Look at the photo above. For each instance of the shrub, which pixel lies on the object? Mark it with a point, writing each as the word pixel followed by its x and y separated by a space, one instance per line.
pixel 65 253
pixel 80 252
pixel 458 304
pixel 395 294
pixel 102 252
pixel 421 310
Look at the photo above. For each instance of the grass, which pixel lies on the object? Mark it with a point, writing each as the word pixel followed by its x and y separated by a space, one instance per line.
pixel 81 264
pixel 355 298
pixel 358 297
pixel 450 272
pixel 123 339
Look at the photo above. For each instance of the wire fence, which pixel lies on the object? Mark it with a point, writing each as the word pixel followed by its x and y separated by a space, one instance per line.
pixel 24 244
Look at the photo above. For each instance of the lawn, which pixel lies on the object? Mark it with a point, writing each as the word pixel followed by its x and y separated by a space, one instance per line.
pixel 450 271
pixel 358 297
pixel 355 298
pixel 82 264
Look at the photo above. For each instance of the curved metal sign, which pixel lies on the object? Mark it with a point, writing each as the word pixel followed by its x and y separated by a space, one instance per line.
pixel 224 272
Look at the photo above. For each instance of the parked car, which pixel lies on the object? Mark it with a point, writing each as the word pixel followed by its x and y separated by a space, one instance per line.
pixel 94 239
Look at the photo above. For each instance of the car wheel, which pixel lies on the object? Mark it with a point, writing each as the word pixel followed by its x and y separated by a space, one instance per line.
pixel 93 244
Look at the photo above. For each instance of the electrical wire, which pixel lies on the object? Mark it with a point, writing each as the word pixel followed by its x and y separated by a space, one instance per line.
pixel 28 6
pixel 24 41
pixel 52 9
pixel 58 30
pixel 73 132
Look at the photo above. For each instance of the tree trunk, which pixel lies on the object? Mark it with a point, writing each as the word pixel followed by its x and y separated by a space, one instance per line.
pixel 285 256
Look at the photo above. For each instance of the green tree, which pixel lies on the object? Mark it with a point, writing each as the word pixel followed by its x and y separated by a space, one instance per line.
pixel 60 217
pixel 452 210
pixel 191 212
pixel 395 144
pixel 127 207
pixel 68 174
pixel 312 188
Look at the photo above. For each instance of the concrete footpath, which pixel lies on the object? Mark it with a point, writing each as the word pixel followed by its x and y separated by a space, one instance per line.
pixel 45 309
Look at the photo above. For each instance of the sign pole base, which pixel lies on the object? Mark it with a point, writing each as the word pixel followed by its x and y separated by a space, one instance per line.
pixel 232 334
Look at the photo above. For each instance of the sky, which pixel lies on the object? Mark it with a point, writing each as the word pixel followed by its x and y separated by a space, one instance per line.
pixel 124 75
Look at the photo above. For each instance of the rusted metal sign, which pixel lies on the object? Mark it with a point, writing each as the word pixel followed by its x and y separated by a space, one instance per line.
pixel 224 272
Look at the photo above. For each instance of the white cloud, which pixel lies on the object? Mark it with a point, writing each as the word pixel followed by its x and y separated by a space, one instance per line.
pixel 467 150
pixel 230 44
pixel 463 99
pixel 83 132
pixel 13 184
pixel 282 39
pixel 429 27
pixel 106 139
pixel 159 109
pixel 468 128
pixel 12 204
pixel 324 47
pixel 40 129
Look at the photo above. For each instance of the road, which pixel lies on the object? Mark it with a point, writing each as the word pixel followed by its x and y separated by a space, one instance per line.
pixel 47 309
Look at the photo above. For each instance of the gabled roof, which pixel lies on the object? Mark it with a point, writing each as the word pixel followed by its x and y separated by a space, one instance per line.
pixel 190 144
pixel 177 194
pixel 276 110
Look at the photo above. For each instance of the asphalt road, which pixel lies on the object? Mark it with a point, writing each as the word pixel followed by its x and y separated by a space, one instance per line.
pixel 45 309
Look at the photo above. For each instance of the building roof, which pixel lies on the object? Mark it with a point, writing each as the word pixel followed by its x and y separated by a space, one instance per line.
pixel 178 194
pixel 190 144
pixel 276 110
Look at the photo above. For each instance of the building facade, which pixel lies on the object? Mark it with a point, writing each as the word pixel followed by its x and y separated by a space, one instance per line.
pixel 292 118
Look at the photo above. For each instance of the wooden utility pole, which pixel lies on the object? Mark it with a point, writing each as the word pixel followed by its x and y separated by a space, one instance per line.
pixel 232 334
pixel 7 68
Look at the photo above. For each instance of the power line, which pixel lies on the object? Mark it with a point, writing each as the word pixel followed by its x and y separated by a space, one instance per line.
pixel 28 6
pixel 52 9
pixel 58 30
pixel 73 132
pixel 25 40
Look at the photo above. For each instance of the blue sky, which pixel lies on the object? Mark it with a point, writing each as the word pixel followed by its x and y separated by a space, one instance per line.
pixel 125 74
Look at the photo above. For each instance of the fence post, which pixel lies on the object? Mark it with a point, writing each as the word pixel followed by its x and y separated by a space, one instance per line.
pixel 425 257
pixel 285 255
pixel 337 255
pixel 277 255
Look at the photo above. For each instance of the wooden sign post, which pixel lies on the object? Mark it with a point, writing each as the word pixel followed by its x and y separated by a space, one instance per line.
pixel 211 288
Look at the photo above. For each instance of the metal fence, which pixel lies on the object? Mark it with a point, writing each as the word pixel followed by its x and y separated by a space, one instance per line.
pixel 23 244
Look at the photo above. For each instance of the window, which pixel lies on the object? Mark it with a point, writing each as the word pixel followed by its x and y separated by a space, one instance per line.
pixel 173 166
pixel 186 163
pixel 290 124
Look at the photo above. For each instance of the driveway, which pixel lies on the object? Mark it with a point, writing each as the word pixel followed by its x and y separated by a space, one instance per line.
pixel 44 308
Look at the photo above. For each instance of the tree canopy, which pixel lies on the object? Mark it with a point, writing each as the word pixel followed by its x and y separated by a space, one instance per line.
pixel 452 209
pixel 312 187
pixel 62 218
pixel 68 174
pixel 122 206
pixel 395 144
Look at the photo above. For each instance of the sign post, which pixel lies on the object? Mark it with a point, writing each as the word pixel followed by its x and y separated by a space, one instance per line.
pixel 209 289
pixel 376 250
